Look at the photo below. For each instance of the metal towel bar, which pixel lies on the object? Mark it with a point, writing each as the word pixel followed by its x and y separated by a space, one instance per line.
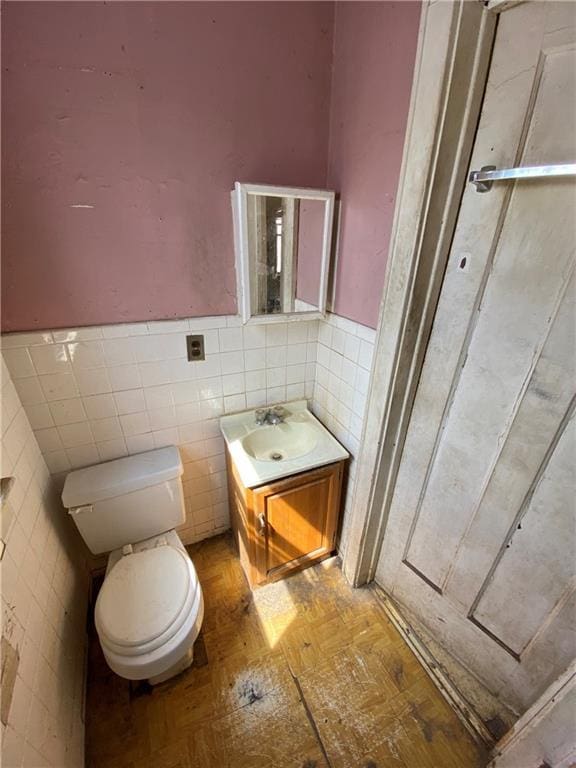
pixel 484 178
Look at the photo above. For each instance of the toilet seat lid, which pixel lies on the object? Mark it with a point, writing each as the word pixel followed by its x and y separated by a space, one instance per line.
pixel 144 594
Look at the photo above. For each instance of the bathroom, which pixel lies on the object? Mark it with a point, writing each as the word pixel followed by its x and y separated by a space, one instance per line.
pixel 287 466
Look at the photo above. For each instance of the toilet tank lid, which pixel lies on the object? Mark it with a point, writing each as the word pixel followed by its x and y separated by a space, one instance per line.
pixel 114 478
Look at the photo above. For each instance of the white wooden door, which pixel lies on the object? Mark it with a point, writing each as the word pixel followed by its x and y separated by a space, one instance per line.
pixel 480 540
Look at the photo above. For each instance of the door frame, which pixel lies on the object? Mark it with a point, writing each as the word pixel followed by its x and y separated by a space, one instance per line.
pixel 452 61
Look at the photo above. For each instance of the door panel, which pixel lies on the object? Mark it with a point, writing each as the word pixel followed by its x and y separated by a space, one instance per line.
pixel 488 446
pixel 296 521
pixel 539 421
pixel 533 568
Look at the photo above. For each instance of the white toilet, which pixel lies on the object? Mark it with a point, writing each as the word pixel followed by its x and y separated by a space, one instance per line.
pixel 150 607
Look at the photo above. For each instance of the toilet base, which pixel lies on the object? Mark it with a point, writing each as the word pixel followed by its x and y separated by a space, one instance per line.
pixel 176 669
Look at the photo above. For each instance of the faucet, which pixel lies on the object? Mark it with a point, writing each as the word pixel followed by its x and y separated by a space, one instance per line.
pixel 274 415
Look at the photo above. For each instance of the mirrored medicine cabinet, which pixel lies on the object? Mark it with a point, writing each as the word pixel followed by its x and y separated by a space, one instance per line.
pixel 283 241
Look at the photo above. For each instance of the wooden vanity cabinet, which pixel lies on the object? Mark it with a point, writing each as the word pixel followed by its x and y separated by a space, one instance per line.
pixel 287 524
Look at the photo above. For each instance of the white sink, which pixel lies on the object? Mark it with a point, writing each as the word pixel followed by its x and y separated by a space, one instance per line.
pixel 269 452
pixel 281 442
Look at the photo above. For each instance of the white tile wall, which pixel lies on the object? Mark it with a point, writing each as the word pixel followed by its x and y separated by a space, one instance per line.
pixel 44 580
pixel 95 394
pixel 343 369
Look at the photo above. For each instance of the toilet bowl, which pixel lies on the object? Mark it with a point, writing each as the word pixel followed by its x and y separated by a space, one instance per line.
pixel 150 607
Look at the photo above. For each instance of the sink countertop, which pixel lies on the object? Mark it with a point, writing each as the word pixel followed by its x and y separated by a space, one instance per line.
pixel 238 426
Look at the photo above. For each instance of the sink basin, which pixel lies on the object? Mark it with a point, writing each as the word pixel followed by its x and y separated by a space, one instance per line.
pixel 281 442
pixel 262 453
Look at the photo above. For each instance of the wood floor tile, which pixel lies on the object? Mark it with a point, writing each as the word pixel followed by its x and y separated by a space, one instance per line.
pixel 352 706
pixel 241 680
pixel 273 732
pixel 300 647
pixel 173 755
pixel 290 673
pixel 432 729
pixel 246 636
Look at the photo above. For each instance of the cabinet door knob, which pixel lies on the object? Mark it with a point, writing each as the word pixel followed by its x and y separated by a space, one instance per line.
pixel 261 524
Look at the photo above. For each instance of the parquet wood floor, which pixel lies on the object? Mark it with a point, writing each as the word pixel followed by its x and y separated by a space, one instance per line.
pixel 304 673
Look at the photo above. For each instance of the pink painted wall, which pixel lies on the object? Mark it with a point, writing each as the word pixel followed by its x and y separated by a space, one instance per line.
pixel 147 113
pixel 374 51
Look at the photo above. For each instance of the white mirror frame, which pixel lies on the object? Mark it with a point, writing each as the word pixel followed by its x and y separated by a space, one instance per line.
pixel 240 216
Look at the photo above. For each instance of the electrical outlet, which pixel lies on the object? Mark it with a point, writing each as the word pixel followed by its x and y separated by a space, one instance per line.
pixel 195 348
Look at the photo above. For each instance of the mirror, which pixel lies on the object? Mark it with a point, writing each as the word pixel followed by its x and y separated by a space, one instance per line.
pixel 283 241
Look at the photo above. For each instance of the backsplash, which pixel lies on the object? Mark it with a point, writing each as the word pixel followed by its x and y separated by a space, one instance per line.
pixel 99 393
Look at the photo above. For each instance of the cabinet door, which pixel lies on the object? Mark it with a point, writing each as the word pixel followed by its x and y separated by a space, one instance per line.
pixel 300 515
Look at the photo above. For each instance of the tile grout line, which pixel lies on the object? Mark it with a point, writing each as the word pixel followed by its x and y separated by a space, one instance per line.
pixel 310 716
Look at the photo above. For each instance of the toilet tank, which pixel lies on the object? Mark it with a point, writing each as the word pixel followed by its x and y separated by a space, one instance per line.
pixel 127 500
